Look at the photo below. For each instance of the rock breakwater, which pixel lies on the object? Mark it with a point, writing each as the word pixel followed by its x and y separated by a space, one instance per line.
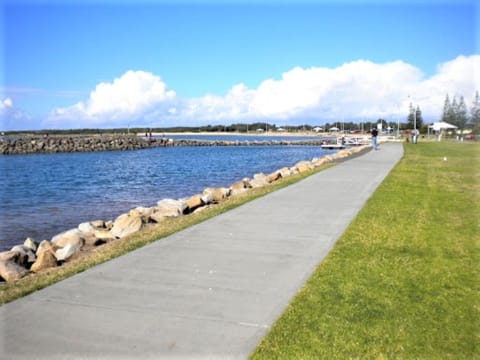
pixel 76 143
pixel 90 143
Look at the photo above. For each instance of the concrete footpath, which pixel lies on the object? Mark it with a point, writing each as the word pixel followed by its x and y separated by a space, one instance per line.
pixel 210 291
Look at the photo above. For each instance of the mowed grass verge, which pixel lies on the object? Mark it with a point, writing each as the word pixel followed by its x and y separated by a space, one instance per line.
pixel 403 281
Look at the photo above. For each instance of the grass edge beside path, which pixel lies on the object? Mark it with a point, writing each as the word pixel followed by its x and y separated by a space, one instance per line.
pixel 403 280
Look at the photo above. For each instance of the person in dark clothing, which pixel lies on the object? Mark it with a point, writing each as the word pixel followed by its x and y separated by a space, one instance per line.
pixel 374 138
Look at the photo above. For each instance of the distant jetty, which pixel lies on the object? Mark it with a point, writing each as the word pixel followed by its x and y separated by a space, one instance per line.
pixel 94 143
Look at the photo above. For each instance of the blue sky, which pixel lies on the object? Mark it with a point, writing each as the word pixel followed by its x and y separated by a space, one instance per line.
pixel 188 59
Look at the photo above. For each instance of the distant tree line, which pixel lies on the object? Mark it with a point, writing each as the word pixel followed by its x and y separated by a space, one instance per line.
pixel 456 113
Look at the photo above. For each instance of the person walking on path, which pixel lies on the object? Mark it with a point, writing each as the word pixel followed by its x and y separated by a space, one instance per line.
pixel 374 138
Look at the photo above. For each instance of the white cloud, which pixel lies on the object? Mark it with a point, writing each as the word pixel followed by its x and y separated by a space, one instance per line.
pixel 12 118
pixel 236 104
pixel 358 90
pixel 354 90
pixel 6 103
pixel 131 96
pixel 458 77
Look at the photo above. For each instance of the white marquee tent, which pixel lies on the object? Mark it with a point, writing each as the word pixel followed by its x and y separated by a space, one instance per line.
pixel 441 125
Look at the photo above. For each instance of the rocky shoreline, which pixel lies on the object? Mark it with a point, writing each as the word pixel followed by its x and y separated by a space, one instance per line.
pixel 93 143
pixel 33 256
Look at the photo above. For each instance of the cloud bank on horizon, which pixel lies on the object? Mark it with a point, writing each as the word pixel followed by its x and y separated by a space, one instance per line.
pixel 359 90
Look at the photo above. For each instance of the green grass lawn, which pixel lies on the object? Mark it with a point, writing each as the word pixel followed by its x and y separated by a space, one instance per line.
pixel 403 281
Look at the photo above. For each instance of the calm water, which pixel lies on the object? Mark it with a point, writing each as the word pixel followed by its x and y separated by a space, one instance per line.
pixel 45 194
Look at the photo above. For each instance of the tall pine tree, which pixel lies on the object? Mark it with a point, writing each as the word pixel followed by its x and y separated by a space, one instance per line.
pixel 418 117
pixel 446 110
pixel 456 113
pixel 452 112
pixel 461 115
pixel 410 119
pixel 475 110
pixel 414 119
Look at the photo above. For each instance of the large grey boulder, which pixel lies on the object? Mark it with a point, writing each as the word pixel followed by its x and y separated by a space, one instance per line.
pixel 31 244
pixel 11 271
pixel 25 256
pixel 144 212
pixel 259 180
pixel 158 217
pixel 218 194
pixel 45 260
pixel 66 252
pixel 274 176
pixel 94 233
pixel 98 224
pixel 206 198
pixel 45 245
pixel 303 166
pixel 240 186
pixel 285 172
pixel 126 224
pixel 194 202
pixel 69 242
pixel 319 162
pixel 8 255
pixel 102 236
pixel 171 207
pixel 86 227
pixel 70 237
pixel 168 208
